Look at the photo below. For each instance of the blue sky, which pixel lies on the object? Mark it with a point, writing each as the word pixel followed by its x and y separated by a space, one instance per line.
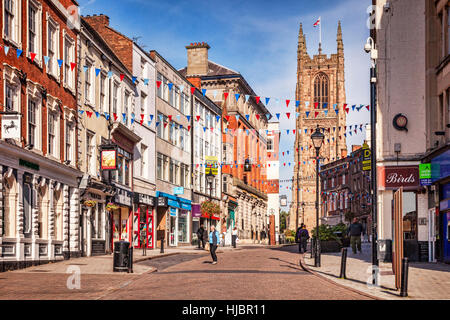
pixel 257 39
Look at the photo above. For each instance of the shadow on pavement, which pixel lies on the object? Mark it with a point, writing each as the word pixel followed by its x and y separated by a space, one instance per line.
pixel 234 271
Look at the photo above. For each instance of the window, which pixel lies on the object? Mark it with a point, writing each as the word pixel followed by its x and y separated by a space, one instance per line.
pixel 69 142
pixel 225 184
pixel 32 28
pixel 159 90
pixel 69 57
pixel 171 171
pixel 11 14
pixel 90 152
pixel 171 96
pixel 321 89
pixel 448 29
pixel 52 47
pixel 115 89
pixel 10 98
pixel 52 130
pixel 126 102
pixel 144 156
pixel 32 115
pixel 182 175
pixel 87 83
pixel 127 172
pixel 269 144
pixel 120 168
pixel 159 166
pixel 103 93
pixel 143 102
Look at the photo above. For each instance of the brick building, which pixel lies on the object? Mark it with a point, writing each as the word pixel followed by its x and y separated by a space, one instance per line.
pixel 39 198
pixel 345 190
pixel 320 83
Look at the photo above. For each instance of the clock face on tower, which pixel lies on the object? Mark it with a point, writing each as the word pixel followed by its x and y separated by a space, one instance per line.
pixel 321 92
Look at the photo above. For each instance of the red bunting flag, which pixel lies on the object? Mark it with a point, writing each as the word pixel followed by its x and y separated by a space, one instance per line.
pixel 170 117
pixel 368 107
pixel 165 124
pixel 228 118
pixel 347 110
pixel 189 128
pixel 293 131
pixel 345 106
pixel 142 118
pixel 158 84
pixel 33 56
pixel 287 103
pixel 122 76
pixel 115 116
pixel 72 65
pixel 198 118
pixel 257 99
pixel 257 117
pixel 316 104
pixel 212 129
pixel 316 113
pixel 288 114
pixel 89 113
pixel 225 95
pixel 192 90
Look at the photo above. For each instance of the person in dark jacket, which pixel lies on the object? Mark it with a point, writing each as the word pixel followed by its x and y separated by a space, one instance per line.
pixel 355 230
pixel 303 236
pixel 201 238
pixel 214 240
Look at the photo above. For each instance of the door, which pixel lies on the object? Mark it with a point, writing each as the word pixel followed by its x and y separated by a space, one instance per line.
pixel 446 236
pixel 431 235
pixel 173 225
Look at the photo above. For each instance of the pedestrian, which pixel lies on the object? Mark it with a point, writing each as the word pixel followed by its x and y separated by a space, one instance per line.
pixel 297 238
pixel 201 239
pixel 303 239
pixel 205 237
pixel 355 230
pixel 234 235
pixel 214 238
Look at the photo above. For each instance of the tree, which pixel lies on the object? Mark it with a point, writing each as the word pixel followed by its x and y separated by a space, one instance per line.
pixel 283 218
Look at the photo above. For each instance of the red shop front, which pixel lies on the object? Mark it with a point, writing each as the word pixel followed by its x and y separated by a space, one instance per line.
pixel 143 221
pixel 205 220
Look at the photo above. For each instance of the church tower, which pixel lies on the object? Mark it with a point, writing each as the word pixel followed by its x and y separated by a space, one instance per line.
pixel 321 91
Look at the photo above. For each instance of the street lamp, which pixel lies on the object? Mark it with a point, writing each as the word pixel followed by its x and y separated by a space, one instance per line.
pixel 370 47
pixel 317 138
pixel 303 212
pixel 210 178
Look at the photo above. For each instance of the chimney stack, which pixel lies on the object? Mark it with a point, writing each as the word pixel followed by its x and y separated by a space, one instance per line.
pixel 197 63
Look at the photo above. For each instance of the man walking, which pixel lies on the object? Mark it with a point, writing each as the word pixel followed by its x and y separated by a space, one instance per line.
pixel 234 235
pixel 355 230
pixel 303 239
pixel 201 239
pixel 214 238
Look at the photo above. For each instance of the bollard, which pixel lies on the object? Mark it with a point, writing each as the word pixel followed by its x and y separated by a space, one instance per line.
pixel 130 260
pixel 343 264
pixel 404 283
pixel 162 246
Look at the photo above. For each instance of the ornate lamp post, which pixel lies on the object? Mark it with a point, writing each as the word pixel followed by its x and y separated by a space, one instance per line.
pixel 317 138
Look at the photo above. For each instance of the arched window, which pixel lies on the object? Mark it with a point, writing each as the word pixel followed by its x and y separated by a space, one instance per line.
pixel 321 89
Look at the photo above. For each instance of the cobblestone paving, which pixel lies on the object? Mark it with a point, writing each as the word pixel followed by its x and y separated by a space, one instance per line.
pixel 253 273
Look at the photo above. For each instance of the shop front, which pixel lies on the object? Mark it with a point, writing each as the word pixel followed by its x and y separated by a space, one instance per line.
pixel 121 216
pixel 391 178
pixel 178 211
pixel 196 217
pixel 144 222
pixel 440 210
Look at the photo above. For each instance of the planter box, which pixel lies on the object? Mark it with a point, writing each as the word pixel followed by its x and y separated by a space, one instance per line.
pixel 330 246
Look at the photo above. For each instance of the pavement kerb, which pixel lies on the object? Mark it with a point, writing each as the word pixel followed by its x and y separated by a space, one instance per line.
pixel 304 267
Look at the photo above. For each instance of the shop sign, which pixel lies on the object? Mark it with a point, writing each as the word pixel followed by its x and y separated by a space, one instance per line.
pixel 283 201
pixel 211 167
pixel 400 176
pixel 178 190
pixel 28 164
pixel 123 197
pixel 196 211
pixel 162 202
pixel 367 161
pixel 109 159
pixel 144 199
pixel 425 174
pixel 11 126
pixel 173 212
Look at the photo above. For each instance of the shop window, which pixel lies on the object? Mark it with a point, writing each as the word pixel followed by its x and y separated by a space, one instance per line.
pixel 27 206
pixel 43 207
pixel 409 215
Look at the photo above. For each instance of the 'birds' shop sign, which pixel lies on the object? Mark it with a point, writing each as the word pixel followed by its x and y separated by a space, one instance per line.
pixel 400 176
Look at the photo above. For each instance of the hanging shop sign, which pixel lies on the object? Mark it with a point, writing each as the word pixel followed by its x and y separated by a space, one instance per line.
pixel 212 166
pixel 162 202
pixel 400 176
pixel 196 211
pixel 11 126
pixel 108 157
pixel 425 174
pixel 367 160
pixel 173 212
pixel 283 201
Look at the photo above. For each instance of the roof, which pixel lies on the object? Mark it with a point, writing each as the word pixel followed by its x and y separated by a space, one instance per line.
pixel 214 69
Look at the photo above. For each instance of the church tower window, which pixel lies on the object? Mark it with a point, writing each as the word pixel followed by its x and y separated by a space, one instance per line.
pixel 321 89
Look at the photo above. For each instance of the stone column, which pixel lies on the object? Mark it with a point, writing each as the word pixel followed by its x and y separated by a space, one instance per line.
pixel 51 219
pixel 74 220
pixel 89 232
pixel 19 216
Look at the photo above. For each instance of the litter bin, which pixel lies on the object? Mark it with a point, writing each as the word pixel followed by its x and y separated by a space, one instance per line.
pixel 121 256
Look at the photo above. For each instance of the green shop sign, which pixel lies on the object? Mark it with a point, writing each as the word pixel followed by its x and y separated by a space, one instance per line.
pixel 425 171
pixel 31 165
